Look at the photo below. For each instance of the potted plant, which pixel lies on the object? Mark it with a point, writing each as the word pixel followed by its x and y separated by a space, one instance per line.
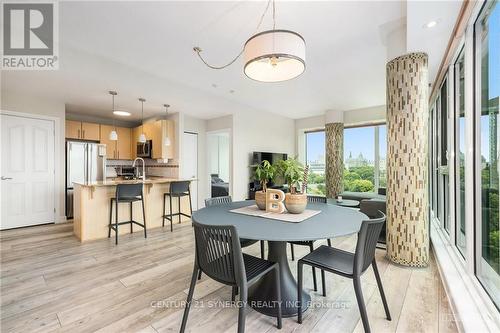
pixel 265 171
pixel 293 172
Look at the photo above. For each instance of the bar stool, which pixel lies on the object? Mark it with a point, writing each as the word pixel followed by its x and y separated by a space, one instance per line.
pixel 177 190
pixel 126 193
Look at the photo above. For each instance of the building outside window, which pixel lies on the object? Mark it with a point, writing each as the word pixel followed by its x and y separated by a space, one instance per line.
pixel 315 157
pixel 487 34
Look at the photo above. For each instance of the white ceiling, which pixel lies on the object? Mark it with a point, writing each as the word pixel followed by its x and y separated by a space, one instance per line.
pixel 144 49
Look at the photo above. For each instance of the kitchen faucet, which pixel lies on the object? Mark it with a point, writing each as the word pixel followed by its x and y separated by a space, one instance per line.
pixel 143 167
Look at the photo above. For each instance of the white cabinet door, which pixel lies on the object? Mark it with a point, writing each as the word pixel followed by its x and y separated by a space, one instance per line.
pixel 189 163
pixel 27 171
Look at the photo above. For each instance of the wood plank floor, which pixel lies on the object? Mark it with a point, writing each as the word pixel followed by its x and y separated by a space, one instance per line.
pixel 52 283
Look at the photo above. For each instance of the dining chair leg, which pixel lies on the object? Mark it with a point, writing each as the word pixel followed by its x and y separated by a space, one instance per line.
pixel 233 293
pixel 323 282
pixel 299 292
pixel 199 275
pixel 179 207
pixel 278 294
pixel 293 254
pixel 131 218
pixel 110 218
pixel 144 216
pixel 311 249
pixel 381 290
pixel 361 303
pixel 262 250
pixel 242 312
pixel 329 242
pixel 189 299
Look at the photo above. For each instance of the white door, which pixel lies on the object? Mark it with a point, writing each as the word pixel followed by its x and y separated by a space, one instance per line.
pixel 189 165
pixel 27 172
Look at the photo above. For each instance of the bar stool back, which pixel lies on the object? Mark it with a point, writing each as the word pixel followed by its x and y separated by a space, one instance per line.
pixel 178 190
pixel 126 193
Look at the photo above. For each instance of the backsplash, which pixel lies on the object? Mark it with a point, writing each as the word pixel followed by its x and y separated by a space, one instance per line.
pixel 153 168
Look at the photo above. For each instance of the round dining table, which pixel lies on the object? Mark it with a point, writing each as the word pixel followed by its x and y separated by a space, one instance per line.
pixel 332 221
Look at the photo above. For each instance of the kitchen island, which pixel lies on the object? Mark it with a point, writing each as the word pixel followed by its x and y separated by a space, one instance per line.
pixel 92 207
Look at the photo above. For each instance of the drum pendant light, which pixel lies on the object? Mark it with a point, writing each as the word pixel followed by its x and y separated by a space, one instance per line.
pixel 142 137
pixel 270 56
pixel 167 139
pixel 113 136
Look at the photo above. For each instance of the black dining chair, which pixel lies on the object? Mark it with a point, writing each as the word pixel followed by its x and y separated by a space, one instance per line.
pixel 348 264
pixel 310 244
pixel 227 200
pixel 126 193
pixel 218 255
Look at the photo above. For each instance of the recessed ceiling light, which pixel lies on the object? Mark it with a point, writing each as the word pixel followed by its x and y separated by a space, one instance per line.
pixel 231 91
pixel 431 24
pixel 121 113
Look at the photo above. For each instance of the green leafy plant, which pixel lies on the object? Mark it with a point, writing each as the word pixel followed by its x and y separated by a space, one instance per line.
pixel 292 172
pixel 265 171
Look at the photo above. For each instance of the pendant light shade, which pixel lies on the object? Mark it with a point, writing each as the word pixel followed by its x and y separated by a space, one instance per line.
pixel 275 56
pixel 167 139
pixel 113 136
pixel 142 136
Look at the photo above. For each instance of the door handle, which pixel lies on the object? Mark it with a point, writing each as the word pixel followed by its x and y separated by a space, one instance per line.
pixel 6 178
pixel 78 134
pixel 83 134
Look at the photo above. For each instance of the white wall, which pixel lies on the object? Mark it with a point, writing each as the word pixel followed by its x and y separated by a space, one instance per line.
pixel 195 125
pixel 258 131
pixel 14 101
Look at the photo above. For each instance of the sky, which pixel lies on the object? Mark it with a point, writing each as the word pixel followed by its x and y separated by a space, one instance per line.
pixel 356 140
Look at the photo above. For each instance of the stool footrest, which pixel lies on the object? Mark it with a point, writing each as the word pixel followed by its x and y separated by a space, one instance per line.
pixel 175 214
pixel 126 222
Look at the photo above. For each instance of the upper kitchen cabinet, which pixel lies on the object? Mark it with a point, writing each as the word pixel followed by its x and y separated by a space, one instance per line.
pixel 73 129
pixel 90 131
pixel 123 145
pixel 117 150
pixel 82 131
pixel 158 132
pixel 110 145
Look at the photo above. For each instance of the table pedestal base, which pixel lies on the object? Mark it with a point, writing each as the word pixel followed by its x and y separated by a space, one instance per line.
pixel 262 295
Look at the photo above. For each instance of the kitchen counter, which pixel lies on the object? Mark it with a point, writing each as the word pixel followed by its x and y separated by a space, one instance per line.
pixel 148 181
pixel 92 200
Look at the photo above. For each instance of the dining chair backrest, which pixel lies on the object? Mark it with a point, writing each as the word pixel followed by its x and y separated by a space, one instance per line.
pixel 367 242
pixel 179 187
pixel 218 201
pixel 218 252
pixel 127 191
pixel 316 199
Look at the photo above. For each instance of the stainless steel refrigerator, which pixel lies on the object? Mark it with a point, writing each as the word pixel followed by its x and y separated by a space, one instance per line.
pixel 85 162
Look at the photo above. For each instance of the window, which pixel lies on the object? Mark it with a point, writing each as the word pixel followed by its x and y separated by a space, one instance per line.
pixel 365 151
pixel 315 157
pixel 487 37
pixel 460 152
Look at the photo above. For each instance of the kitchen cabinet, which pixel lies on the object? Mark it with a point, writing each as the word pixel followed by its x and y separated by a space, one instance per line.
pixel 120 149
pixel 123 144
pixel 90 131
pixel 110 145
pixel 81 130
pixel 157 132
pixel 73 129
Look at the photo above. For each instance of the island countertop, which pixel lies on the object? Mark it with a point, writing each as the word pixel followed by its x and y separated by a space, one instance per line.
pixel 151 180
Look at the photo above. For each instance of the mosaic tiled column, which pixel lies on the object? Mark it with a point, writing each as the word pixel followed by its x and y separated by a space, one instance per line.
pixel 334 158
pixel 407 153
